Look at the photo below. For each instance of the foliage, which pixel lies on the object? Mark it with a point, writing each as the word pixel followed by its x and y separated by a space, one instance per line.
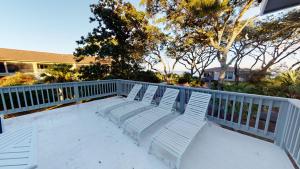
pixel 274 40
pixel 120 34
pixel 17 80
pixel 59 73
pixel 211 22
pixel 286 84
pixel 93 72
pixel 146 76
pixel 185 78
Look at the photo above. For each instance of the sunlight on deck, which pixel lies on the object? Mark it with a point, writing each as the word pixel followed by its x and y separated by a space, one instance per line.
pixel 75 137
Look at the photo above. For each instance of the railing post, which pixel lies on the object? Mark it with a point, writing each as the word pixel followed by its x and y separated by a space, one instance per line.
pixel 182 100
pixel 119 87
pixel 76 92
pixel 281 123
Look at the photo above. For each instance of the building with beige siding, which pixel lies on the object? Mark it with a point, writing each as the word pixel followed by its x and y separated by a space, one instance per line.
pixel 33 62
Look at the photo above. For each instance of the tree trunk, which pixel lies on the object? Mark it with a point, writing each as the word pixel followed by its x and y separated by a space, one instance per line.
pixel 224 67
pixel 236 73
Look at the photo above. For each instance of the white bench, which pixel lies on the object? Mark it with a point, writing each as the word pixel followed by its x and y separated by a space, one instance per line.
pixel 18 148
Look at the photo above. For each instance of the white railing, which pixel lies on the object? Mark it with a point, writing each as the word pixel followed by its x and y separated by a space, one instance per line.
pixel 25 98
pixel 291 138
pixel 273 118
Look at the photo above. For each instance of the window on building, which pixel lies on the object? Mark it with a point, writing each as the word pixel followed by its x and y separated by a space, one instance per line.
pixel 2 67
pixel 19 67
pixel 229 75
pixel 43 66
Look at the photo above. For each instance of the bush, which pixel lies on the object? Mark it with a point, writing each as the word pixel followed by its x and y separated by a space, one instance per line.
pixel 93 72
pixel 18 79
pixel 59 73
pixel 286 84
pixel 146 76
pixel 185 78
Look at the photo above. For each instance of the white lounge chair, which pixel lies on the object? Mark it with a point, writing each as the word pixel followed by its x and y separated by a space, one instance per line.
pixel 172 141
pixel 120 114
pixel 106 105
pixel 18 149
pixel 138 124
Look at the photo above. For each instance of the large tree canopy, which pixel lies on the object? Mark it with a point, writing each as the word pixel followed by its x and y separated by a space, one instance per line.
pixel 120 34
pixel 217 23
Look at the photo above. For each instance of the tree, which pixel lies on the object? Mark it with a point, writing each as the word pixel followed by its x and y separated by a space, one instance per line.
pixel 276 40
pixel 242 48
pixel 156 42
pixel 218 23
pixel 95 71
pixel 296 66
pixel 59 73
pixel 194 57
pixel 119 34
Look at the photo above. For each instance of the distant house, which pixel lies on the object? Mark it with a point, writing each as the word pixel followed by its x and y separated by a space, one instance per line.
pixel 12 61
pixel 213 74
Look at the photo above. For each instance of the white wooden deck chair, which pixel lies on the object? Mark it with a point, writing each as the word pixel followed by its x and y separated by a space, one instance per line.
pixel 120 114
pixel 106 105
pixel 138 124
pixel 18 149
pixel 172 141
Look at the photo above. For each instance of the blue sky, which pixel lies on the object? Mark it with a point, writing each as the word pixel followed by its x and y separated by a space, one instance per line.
pixel 44 25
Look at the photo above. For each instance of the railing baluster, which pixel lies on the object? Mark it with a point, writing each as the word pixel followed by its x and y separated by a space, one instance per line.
pixel 43 97
pixel 58 93
pixel 268 117
pixel 53 97
pixel 67 93
pixel 226 108
pixel 213 104
pixel 18 98
pixel 258 114
pixel 233 109
pixel 249 113
pixel 3 101
pixel 219 108
pixel 31 97
pixel 48 97
pixel 37 97
pixel 25 98
pixel 241 111
pixel 11 100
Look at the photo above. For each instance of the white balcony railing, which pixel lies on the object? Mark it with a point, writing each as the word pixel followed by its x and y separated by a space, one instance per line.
pixel 274 118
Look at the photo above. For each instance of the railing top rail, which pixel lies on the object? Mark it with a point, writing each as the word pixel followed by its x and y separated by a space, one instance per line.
pixel 216 91
pixel 295 102
pixel 53 84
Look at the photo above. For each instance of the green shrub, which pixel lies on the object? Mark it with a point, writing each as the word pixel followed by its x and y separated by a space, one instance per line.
pixel 93 72
pixel 18 79
pixel 185 78
pixel 146 76
pixel 59 73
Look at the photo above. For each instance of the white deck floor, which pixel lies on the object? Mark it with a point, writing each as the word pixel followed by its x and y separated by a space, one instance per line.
pixel 74 137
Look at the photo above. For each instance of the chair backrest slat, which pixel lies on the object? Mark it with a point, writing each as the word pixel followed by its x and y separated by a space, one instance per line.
pixel 168 99
pixel 149 94
pixel 197 105
pixel 134 91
